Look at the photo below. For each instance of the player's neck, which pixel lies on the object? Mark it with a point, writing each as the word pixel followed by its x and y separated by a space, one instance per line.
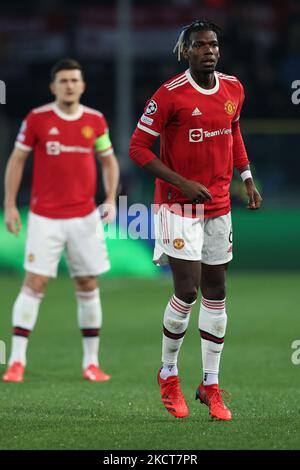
pixel 68 108
pixel 205 80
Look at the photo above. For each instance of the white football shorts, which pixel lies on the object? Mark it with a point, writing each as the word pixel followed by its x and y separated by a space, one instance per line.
pixel 208 240
pixel 82 238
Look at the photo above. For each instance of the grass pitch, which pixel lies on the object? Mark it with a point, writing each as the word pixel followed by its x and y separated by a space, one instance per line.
pixel 55 409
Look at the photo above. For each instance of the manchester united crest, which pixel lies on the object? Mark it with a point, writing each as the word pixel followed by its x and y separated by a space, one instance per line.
pixel 87 132
pixel 229 107
pixel 178 243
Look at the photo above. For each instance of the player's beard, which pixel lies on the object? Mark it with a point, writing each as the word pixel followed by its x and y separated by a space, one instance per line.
pixel 69 103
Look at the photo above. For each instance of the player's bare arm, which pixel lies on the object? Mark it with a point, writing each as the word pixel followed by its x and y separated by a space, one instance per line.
pixel 13 177
pixel 110 176
pixel 255 199
pixel 191 189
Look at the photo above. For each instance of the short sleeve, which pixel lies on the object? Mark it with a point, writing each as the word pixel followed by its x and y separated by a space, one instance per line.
pixel 103 144
pixel 26 137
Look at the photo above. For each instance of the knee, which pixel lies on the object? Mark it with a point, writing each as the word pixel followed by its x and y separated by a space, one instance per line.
pixel 214 293
pixel 36 282
pixel 187 295
pixel 86 283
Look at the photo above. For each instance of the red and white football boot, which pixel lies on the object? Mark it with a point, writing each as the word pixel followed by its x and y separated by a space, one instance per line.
pixel 210 395
pixel 14 373
pixel 95 374
pixel 172 396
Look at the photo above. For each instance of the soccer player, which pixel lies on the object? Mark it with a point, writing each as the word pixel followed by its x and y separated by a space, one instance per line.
pixel 64 137
pixel 196 114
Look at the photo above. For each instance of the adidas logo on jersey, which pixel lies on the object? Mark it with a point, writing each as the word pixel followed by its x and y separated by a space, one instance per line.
pixel 196 112
pixel 53 131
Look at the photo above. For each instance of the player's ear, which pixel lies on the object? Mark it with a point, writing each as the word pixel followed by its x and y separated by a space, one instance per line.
pixel 52 88
pixel 185 53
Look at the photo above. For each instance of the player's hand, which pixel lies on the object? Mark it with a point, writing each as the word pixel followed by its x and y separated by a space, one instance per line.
pixel 12 220
pixel 108 211
pixel 195 191
pixel 255 198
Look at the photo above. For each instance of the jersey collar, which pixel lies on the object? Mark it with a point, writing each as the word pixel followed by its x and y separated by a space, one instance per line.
pixel 204 91
pixel 68 117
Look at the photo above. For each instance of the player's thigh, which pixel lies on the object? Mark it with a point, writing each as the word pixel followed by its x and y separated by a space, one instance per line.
pixel 177 237
pixel 44 244
pixel 86 247
pixel 217 243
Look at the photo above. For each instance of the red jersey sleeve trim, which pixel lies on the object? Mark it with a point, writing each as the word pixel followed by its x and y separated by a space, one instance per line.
pixel 106 153
pixel 146 129
pixel 24 147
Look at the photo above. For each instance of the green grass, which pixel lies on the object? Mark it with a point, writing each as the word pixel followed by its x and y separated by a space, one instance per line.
pixel 55 409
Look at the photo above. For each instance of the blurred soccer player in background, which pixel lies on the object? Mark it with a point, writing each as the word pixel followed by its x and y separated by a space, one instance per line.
pixel 64 137
pixel 196 114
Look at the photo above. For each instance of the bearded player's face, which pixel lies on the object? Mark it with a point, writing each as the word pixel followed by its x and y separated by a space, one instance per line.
pixel 203 51
pixel 68 86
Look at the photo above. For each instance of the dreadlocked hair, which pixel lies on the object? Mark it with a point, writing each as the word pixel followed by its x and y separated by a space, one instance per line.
pixel 184 36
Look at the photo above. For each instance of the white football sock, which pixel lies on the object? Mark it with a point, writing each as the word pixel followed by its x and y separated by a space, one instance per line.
pixel 167 370
pixel 209 379
pixel 24 316
pixel 89 313
pixel 212 326
pixel 176 320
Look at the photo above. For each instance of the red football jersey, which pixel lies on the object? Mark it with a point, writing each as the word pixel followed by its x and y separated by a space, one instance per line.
pixel 197 129
pixel 64 167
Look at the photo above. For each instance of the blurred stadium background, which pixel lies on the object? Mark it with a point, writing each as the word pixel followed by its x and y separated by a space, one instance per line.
pixel 125 48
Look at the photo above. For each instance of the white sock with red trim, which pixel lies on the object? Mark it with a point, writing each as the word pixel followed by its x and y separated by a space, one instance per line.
pixel 89 313
pixel 24 316
pixel 212 327
pixel 176 320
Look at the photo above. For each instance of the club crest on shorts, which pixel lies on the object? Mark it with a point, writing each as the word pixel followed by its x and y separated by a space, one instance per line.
pixel 178 243
pixel 229 107
pixel 30 258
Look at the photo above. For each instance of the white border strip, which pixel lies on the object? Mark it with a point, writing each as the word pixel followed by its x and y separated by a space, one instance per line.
pixel 68 117
pixel 105 153
pixel 177 85
pixel 204 91
pixel 150 131
pixel 20 146
pixel 175 82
